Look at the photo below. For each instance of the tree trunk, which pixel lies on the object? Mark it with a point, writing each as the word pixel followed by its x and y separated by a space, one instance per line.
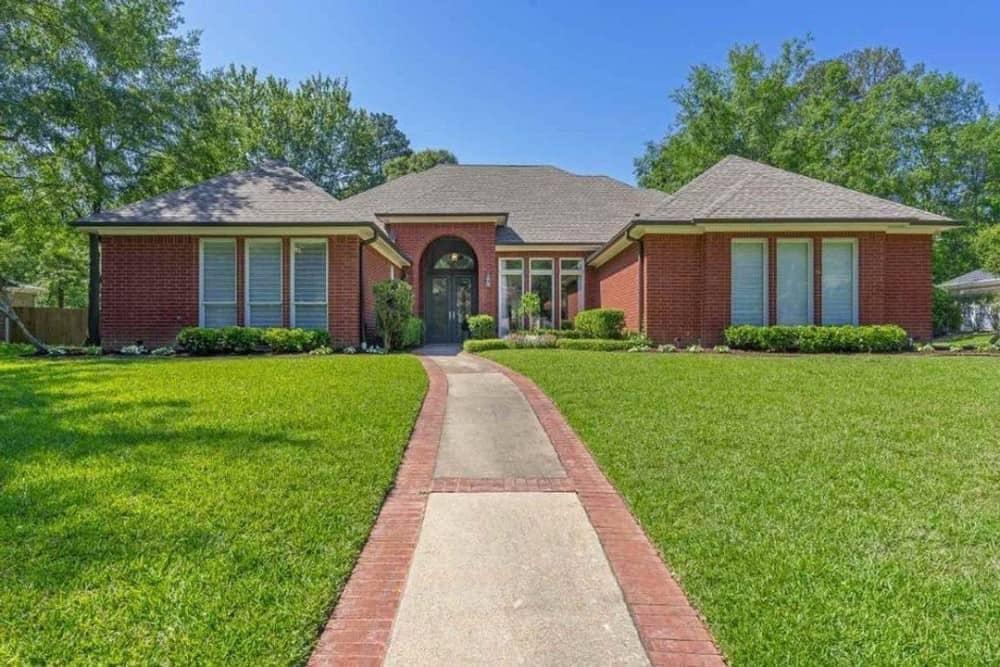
pixel 7 310
pixel 94 293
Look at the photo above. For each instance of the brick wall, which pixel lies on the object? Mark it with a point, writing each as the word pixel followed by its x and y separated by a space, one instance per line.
pixel 674 284
pixel 149 288
pixel 908 283
pixel 413 239
pixel 618 285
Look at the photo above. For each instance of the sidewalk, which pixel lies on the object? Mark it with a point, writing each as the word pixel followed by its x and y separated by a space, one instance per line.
pixel 503 543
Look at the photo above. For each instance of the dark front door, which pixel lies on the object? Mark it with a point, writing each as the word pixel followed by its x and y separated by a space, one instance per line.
pixel 448 303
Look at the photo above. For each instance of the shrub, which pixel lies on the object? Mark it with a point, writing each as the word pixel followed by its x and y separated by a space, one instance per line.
pixel 321 351
pixel 16 349
pixel 482 326
pixel 132 350
pixel 600 323
pixel 529 307
pixel 558 333
pixel 696 348
pixel 946 312
pixel 240 340
pixel 393 308
pixel 721 349
pixel 594 344
pixel 200 340
pixel 522 340
pixel 484 344
pixel 811 339
pixel 666 348
pixel 165 351
pixel 295 340
pixel 413 333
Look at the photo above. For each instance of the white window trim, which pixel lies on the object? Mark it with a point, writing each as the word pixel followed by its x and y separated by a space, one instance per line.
pixel 581 273
pixel 292 303
pixel 201 278
pixel 766 260
pixel 503 271
pixel 810 279
pixel 853 242
pixel 554 296
pixel 246 272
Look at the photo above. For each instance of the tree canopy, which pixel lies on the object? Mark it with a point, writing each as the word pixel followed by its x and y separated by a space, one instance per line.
pixel 103 102
pixel 418 161
pixel 864 120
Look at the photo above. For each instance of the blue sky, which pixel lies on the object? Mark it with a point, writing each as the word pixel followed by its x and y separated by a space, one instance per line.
pixel 581 85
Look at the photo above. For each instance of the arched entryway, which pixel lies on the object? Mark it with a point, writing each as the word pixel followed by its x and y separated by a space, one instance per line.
pixel 450 288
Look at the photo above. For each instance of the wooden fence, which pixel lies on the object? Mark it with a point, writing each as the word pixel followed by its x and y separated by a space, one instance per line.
pixel 55 326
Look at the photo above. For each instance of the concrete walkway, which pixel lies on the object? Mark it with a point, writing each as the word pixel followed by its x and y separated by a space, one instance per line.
pixel 503 543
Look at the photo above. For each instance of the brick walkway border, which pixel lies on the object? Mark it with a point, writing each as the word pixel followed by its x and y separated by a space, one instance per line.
pixel 358 631
pixel 671 630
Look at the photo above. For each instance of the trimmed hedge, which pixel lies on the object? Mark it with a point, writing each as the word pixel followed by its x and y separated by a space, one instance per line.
pixel 484 344
pixel 244 340
pixel 558 333
pixel 482 327
pixel 812 339
pixel 413 333
pixel 595 344
pixel 600 323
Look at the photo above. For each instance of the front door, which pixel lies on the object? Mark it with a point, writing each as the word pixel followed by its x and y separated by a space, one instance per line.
pixel 448 304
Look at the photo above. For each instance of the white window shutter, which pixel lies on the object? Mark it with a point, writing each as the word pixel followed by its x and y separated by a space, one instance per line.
pixel 310 284
pixel 839 278
pixel 218 282
pixel 794 288
pixel 748 280
pixel 264 283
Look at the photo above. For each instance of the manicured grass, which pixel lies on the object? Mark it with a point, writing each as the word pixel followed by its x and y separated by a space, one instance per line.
pixel 189 511
pixel 818 510
pixel 973 338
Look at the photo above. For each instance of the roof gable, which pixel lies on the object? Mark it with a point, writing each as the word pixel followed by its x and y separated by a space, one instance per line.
pixel 737 189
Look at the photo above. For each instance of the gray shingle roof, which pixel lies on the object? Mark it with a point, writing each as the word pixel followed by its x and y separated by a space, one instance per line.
pixel 271 192
pixel 738 189
pixel 543 204
pixel 972 278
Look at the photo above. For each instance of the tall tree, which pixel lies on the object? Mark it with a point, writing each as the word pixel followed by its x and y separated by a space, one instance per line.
pixel 418 161
pixel 863 120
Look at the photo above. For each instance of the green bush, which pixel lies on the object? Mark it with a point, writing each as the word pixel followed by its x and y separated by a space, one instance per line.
pixel 528 309
pixel 946 312
pixel 600 323
pixel 484 344
pixel 393 309
pixel 811 339
pixel 413 333
pixel 558 333
pixel 594 344
pixel 200 340
pixel 240 340
pixel 530 340
pixel 482 326
pixel 295 340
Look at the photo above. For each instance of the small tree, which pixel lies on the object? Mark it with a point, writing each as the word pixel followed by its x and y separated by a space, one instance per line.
pixel 393 307
pixel 530 307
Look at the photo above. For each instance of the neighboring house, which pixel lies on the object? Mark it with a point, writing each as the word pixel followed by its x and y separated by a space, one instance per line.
pixel 741 243
pixel 979 293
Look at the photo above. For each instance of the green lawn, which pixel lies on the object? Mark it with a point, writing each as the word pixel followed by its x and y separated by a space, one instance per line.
pixel 975 338
pixel 818 510
pixel 189 511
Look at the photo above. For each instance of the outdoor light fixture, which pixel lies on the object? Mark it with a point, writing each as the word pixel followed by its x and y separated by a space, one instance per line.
pixel 454 258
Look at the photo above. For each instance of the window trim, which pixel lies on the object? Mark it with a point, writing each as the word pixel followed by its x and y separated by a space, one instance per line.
pixel 554 296
pixel 810 278
pixel 501 272
pixel 855 275
pixel 246 273
pixel 201 278
pixel 581 274
pixel 292 301
pixel 766 261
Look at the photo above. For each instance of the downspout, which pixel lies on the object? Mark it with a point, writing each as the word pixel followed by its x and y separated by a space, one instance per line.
pixel 361 287
pixel 642 277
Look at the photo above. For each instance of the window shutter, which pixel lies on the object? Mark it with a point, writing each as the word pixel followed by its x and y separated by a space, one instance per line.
pixel 264 283
pixel 310 285
pixel 749 270
pixel 218 276
pixel 838 283
pixel 794 293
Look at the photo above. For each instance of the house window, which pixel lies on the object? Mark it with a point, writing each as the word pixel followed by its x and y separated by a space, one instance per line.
pixel 263 284
pixel 309 284
pixel 748 280
pixel 570 289
pixel 218 283
pixel 511 288
pixel 543 285
pixel 840 281
pixel 794 281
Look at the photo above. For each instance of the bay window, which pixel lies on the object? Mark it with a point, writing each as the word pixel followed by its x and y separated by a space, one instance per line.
pixel 309 283
pixel 217 294
pixel 748 282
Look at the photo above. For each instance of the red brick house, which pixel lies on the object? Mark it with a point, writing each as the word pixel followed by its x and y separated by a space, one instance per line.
pixel 741 243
